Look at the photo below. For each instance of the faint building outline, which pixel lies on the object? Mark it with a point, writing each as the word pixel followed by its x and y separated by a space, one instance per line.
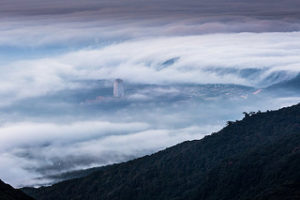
pixel 118 90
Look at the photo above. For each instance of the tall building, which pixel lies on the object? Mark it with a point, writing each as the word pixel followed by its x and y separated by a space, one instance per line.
pixel 118 88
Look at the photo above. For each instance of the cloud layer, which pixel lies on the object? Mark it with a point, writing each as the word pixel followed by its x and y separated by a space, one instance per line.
pixel 217 58
pixel 31 150
pixel 152 8
pixel 58 60
pixel 72 23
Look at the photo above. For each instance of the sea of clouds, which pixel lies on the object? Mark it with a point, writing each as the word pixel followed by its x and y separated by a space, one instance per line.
pixel 53 51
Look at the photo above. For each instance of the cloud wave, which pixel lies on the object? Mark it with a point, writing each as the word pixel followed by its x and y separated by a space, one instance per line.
pixel 217 58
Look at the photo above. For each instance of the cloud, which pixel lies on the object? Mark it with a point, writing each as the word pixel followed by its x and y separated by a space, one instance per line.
pixel 68 35
pixel 73 24
pixel 34 149
pixel 139 61
pixel 11 134
pixel 30 151
pixel 143 9
pixel 54 53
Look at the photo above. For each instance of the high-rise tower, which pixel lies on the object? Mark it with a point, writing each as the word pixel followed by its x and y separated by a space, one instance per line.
pixel 118 88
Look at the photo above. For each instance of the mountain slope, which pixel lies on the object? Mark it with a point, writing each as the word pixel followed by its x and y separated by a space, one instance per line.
pixel 255 158
pixel 271 172
pixel 9 193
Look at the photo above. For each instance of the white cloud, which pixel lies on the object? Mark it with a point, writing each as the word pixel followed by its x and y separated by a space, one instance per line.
pixel 27 133
pixel 134 51
pixel 140 60
pixel 30 151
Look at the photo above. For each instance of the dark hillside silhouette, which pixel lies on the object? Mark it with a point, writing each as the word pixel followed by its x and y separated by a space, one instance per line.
pixel 9 193
pixel 254 158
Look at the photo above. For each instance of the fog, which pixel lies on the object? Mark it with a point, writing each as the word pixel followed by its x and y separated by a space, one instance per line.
pixel 75 129
pixel 188 68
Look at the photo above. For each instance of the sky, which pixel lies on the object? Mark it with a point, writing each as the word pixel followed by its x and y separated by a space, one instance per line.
pixel 188 67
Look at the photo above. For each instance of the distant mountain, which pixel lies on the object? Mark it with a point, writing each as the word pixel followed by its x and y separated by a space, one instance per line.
pixel 256 158
pixel 289 85
pixel 9 193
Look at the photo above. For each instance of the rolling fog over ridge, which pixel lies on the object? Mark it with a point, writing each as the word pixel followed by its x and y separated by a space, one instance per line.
pixel 85 127
pixel 188 68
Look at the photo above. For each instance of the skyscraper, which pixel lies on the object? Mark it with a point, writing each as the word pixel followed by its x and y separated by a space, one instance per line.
pixel 118 88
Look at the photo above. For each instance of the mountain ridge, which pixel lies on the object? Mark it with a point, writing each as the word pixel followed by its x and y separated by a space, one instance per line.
pixel 9 193
pixel 242 153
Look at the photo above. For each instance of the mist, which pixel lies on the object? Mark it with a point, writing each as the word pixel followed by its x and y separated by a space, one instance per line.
pixel 188 68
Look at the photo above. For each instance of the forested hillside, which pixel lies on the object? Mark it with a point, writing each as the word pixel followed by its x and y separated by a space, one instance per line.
pixel 9 193
pixel 254 158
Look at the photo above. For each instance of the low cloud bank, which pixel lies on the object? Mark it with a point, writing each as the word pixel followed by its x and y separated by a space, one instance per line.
pixel 55 117
pixel 31 151
pixel 252 59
